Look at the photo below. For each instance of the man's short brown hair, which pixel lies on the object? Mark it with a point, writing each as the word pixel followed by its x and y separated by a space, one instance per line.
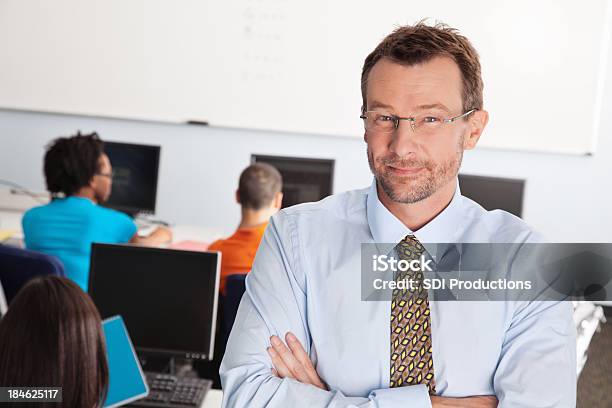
pixel 419 43
pixel 259 183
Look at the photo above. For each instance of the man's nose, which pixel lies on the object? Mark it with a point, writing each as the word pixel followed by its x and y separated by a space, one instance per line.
pixel 404 140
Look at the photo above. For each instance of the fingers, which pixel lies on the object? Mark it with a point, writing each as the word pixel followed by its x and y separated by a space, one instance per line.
pixel 280 368
pixel 481 401
pixel 293 362
pixel 490 401
pixel 286 364
pixel 300 355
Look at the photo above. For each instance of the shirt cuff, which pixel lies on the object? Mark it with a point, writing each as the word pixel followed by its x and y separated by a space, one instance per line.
pixel 413 396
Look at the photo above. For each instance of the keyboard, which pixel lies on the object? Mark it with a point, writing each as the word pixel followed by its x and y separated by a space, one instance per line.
pixel 173 391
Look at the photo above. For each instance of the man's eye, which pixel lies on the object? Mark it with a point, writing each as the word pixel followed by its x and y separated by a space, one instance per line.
pixel 431 119
pixel 385 118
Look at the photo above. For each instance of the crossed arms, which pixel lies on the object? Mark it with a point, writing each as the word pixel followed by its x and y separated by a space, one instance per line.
pixel 259 369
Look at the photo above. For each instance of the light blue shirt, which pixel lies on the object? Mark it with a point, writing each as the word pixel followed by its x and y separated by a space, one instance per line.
pixel 306 279
pixel 67 227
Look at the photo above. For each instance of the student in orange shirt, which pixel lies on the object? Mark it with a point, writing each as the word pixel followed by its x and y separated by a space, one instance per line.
pixel 259 195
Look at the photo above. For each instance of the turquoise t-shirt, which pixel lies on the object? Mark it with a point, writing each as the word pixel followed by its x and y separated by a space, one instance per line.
pixel 67 227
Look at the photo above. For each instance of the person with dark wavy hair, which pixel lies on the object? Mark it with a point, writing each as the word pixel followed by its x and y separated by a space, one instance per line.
pixel 52 336
pixel 72 163
pixel 79 176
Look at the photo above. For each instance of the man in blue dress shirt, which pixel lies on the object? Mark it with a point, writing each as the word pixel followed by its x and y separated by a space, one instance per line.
pixel 79 176
pixel 304 337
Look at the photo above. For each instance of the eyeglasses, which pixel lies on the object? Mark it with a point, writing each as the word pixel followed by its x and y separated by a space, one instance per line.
pixel 108 175
pixel 381 122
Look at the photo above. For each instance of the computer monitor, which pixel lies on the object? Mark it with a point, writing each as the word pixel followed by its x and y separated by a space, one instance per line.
pixel 304 179
pixel 494 192
pixel 135 171
pixel 167 297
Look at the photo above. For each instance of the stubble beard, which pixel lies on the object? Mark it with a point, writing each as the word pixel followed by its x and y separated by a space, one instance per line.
pixel 414 188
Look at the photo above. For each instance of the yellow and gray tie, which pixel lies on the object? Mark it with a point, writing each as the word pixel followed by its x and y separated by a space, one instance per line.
pixel 411 352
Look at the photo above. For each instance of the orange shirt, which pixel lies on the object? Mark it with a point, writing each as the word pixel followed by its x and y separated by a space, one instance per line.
pixel 238 251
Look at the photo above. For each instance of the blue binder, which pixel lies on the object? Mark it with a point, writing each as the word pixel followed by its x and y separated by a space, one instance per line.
pixel 127 382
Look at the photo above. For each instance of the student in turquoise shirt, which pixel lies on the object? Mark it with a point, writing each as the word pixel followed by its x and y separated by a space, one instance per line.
pixel 79 176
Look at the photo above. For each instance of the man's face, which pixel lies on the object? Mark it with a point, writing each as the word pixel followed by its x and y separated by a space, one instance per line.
pixel 103 181
pixel 412 165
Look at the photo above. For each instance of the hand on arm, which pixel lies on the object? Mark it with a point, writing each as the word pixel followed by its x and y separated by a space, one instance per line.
pixel 291 361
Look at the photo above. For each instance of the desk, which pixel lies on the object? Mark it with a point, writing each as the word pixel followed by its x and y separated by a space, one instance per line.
pixel 12 207
pixel 193 233
pixel 213 399
pixel 10 220
pixel 10 223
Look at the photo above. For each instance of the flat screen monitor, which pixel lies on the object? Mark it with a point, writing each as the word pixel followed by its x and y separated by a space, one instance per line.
pixel 494 192
pixel 167 297
pixel 135 171
pixel 304 179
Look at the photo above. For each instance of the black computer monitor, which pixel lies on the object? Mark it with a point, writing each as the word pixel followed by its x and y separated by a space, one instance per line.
pixel 304 179
pixel 167 297
pixel 494 192
pixel 135 171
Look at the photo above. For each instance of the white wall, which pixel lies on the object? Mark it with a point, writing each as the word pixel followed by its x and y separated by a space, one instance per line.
pixel 567 197
pixel 265 64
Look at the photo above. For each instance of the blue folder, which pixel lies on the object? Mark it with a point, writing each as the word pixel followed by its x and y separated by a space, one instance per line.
pixel 126 379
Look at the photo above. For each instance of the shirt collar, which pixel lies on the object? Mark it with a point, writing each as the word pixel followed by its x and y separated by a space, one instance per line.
pixel 387 228
pixel 79 198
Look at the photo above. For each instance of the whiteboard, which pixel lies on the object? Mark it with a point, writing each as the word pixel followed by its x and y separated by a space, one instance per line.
pixel 294 66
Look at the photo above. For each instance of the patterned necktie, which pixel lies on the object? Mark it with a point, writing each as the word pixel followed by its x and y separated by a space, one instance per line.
pixel 411 354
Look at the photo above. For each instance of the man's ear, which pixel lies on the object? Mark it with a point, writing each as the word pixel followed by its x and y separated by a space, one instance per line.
pixel 278 200
pixel 238 196
pixel 365 134
pixel 477 122
pixel 92 183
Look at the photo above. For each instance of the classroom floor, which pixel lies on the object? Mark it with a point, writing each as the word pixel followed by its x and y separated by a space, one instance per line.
pixel 595 382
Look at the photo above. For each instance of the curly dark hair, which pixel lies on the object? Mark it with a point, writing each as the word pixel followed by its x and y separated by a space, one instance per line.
pixel 71 162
